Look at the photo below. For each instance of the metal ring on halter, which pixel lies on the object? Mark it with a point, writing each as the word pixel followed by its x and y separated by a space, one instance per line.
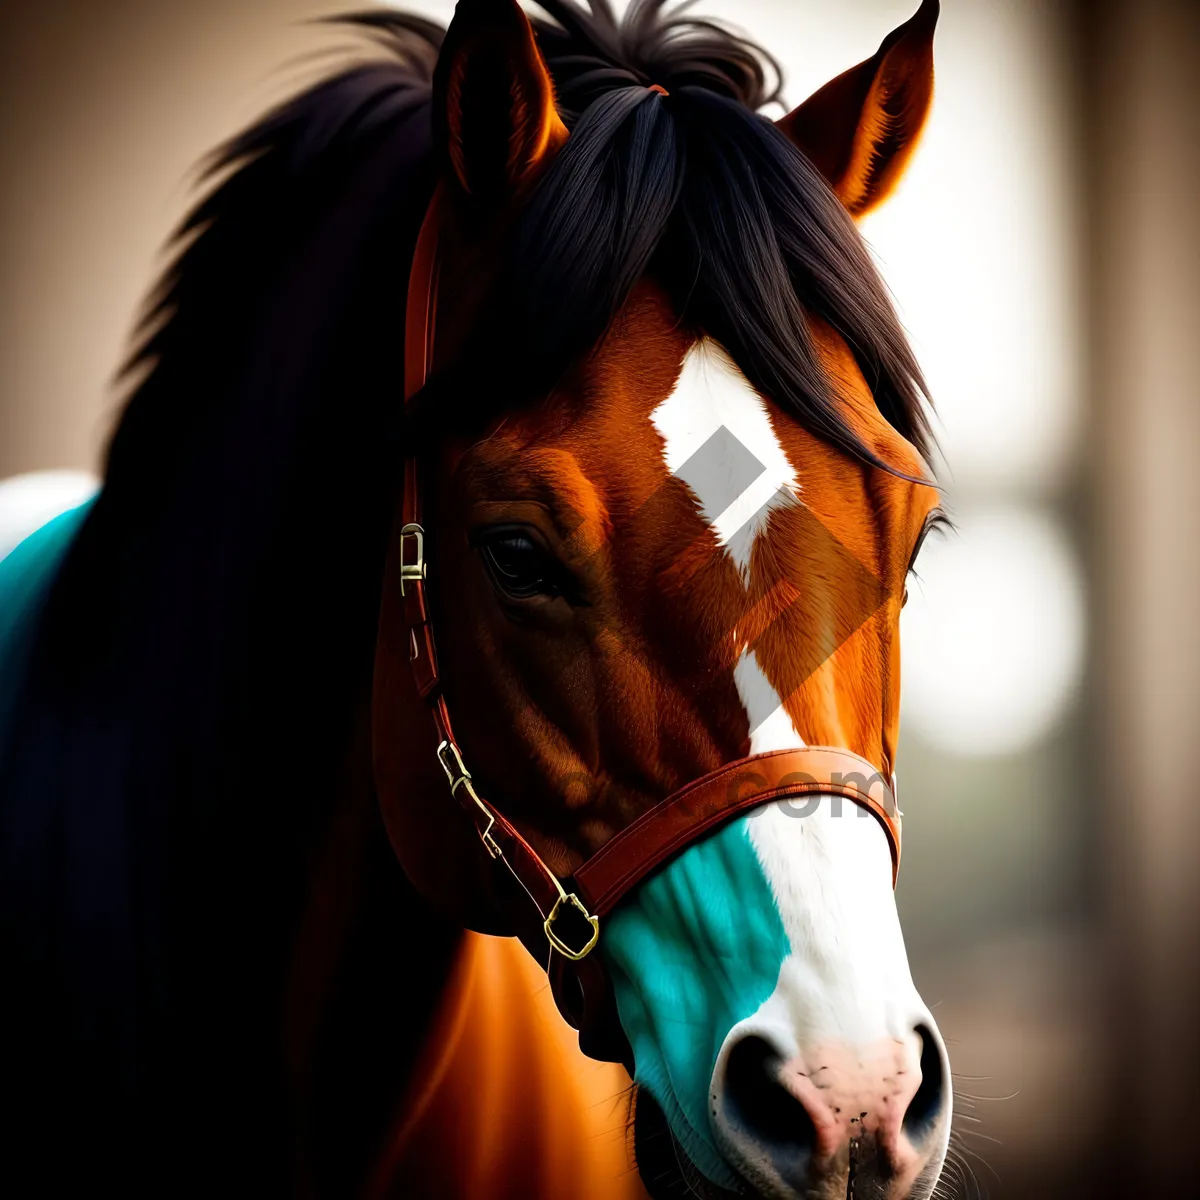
pixel 411 572
pixel 459 776
pixel 566 950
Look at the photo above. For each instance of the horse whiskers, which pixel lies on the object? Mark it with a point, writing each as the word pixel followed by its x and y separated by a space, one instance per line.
pixel 958 1177
pixel 963 1133
pixel 983 1099
pixel 964 1151
pixel 958 1154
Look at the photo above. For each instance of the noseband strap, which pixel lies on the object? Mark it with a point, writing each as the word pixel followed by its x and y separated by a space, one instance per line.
pixel 569 910
pixel 707 803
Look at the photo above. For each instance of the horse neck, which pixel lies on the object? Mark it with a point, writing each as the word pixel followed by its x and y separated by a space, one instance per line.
pixel 406 1042
pixel 368 973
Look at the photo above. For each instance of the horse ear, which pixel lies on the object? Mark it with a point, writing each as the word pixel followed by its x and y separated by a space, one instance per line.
pixel 860 129
pixel 495 120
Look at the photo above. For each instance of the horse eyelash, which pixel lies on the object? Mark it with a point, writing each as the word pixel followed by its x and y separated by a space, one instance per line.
pixel 938 521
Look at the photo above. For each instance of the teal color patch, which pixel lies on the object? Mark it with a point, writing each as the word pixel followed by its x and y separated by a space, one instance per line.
pixel 26 574
pixel 696 949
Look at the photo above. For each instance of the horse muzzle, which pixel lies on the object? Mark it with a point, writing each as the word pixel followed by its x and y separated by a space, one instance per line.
pixel 833 1120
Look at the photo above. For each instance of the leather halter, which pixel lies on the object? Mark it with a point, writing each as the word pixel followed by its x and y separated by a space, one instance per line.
pixel 570 910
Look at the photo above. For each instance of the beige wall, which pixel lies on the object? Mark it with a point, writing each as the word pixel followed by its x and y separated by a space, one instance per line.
pixel 1146 244
pixel 105 108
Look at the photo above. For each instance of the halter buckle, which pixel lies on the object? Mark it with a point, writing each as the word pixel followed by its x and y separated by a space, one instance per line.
pixel 450 756
pixel 412 572
pixel 557 942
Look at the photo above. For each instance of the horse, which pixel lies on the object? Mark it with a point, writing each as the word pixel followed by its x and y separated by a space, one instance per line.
pixel 536 335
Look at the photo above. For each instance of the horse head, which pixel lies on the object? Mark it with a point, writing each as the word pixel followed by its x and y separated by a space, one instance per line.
pixel 672 446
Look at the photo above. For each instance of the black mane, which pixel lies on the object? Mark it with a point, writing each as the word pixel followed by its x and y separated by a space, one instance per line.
pixel 170 777
pixel 172 767
pixel 696 187
pixel 701 189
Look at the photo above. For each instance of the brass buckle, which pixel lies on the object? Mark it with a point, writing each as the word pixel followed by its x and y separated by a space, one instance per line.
pixel 449 755
pixel 557 942
pixel 413 572
pixel 456 771
pixel 451 759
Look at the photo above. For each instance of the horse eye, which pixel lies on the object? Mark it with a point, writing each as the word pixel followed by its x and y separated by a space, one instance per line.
pixel 520 568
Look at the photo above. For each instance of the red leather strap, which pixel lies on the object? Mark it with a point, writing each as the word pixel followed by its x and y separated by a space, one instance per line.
pixel 707 803
pixel 422 654
pixel 421 308
pixel 502 841
pixel 500 838
pixel 418 362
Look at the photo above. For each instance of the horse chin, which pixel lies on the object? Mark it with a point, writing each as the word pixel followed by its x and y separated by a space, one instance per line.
pixel 666 1170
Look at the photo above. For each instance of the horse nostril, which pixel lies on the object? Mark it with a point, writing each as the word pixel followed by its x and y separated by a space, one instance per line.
pixel 759 1104
pixel 926 1106
pixel 797 1121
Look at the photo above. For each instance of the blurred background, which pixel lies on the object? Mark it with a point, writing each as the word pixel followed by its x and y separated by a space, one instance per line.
pixel 1045 256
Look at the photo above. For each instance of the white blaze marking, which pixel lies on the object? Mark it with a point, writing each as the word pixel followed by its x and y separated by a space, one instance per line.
pixel 770 726
pixel 845 987
pixel 847 977
pixel 830 869
pixel 846 980
pixel 712 393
